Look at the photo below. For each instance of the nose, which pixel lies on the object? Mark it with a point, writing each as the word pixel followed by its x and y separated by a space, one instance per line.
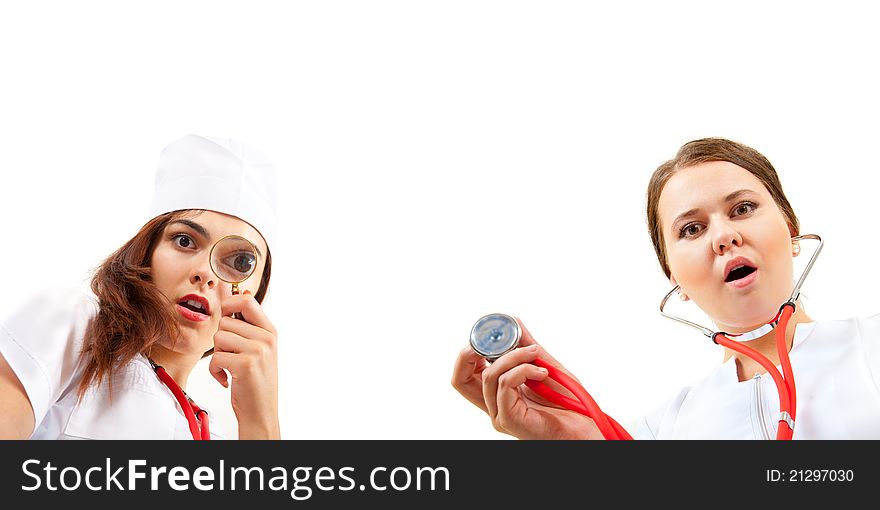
pixel 202 275
pixel 724 236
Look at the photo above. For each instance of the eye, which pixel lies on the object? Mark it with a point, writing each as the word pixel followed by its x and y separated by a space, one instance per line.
pixel 242 263
pixel 690 230
pixel 183 241
pixel 744 208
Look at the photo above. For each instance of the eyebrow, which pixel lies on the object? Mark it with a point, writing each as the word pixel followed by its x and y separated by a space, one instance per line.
pixel 202 231
pixel 693 212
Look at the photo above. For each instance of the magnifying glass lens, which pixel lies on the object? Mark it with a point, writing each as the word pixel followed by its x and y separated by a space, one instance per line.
pixel 233 259
pixel 495 334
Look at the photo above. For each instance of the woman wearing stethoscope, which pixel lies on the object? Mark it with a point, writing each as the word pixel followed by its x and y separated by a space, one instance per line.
pixel 725 235
pixel 113 363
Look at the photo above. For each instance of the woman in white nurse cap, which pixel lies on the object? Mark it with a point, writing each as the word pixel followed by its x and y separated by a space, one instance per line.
pixel 113 365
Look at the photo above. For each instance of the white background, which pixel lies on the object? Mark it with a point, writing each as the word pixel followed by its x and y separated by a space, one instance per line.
pixel 439 161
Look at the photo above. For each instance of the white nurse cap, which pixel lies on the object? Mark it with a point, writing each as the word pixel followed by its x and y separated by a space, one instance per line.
pixel 218 174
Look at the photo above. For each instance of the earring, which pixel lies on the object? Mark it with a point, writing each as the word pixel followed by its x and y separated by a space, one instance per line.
pixel 682 296
pixel 795 249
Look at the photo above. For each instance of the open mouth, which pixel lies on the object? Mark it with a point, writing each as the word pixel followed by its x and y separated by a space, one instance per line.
pixel 739 272
pixel 195 304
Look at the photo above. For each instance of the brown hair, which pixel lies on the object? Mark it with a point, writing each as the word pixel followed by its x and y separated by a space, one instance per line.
pixel 702 151
pixel 133 314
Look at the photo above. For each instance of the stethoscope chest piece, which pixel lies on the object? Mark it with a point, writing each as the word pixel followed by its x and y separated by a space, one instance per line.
pixel 494 335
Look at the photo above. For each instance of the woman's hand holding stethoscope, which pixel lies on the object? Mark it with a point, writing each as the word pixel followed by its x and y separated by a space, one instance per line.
pixel 500 390
pixel 247 348
pixel 501 337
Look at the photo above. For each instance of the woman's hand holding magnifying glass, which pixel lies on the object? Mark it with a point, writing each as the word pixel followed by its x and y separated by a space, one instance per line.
pixel 499 390
pixel 247 348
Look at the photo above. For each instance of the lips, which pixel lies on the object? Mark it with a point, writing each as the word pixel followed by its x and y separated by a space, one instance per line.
pixel 738 269
pixel 194 307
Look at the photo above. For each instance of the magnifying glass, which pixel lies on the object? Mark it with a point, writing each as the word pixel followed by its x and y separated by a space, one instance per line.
pixel 234 259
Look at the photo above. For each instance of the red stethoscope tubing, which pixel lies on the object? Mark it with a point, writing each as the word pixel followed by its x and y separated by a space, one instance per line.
pixel 584 404
pixel 785 381
pixel 610 429
pixel 190 409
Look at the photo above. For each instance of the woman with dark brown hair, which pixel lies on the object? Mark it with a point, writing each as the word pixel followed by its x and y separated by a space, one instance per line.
pixel 113 365
pixel 723 232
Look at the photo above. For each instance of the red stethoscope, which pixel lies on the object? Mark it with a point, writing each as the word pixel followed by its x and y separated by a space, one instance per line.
pixel 495 334
pixel 196 416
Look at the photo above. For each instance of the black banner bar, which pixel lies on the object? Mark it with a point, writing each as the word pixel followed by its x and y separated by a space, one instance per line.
pixel 327 474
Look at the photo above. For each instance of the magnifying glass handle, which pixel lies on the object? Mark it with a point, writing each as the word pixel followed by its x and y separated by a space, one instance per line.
pixel 235 292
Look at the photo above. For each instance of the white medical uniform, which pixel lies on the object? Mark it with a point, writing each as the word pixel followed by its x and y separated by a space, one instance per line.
pixel 836 365
pixel 42 341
